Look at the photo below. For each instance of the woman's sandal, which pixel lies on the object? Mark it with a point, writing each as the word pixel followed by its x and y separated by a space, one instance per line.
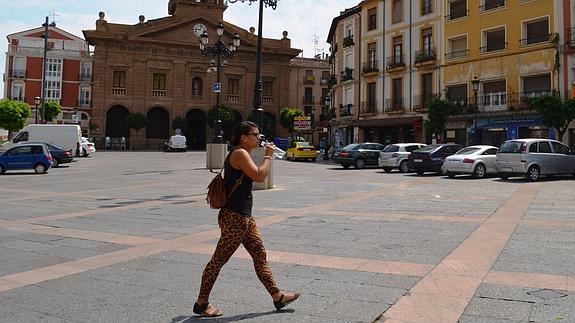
pixel 280 303
pixel 201 310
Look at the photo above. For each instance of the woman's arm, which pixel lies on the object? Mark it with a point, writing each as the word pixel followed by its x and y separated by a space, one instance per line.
pixel 240 159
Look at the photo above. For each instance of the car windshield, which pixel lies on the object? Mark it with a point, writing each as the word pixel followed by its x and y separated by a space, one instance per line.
pixel 304 144
pixel 428 148
pixel 351 147
pixel 390 149
pixel 467 151
pixel 511 147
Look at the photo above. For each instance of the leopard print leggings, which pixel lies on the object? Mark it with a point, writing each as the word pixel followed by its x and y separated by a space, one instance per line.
pixel 235 230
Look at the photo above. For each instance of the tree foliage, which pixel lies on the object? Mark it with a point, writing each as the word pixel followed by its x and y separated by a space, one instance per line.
pixel 226 116
pixel 438 112
pixel 137 121
pixel 51 110
pixel 287 115
pixel 180 123
pixel 13 115
pixel 555 112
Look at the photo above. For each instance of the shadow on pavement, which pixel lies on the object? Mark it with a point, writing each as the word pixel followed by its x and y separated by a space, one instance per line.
pixel 235 318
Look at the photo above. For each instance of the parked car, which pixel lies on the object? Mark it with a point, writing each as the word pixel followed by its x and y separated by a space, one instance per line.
pixel 176 143
pixel 26 156
pixel 59 155
pixel 88 147
pixel 476 160
pixel 359 155
pixel 534 157
pixel 395 156
pixel 301 150
pixel 430 158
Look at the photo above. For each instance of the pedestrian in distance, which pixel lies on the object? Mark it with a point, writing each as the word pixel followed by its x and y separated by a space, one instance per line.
pixel 237 225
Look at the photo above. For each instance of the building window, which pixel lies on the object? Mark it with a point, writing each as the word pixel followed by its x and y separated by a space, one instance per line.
pixel 426 90
pixel 371 103
pixel 17 91
pixel 535 32
pixel 372 19
pixel 457 47
pixel 396 60
pixel 426 7
pixel 457 94
pixel 308 96
pixel 159 84
pixel 493 40
pixel 53 90
pixel 119 83
pixel 267 91
pixel 494 96
pixel 54 67
pixel 537 85
pixel 84 96
pixel 19 67
pixel 457 9
pixel 492 4
pixel 309 78
pixel 85 71
pixel 233 89
pixel 397 11
pixel 371 64
pixel 397 94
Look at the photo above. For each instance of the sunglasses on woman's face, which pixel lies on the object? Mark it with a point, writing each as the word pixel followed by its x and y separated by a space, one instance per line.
pixel 257 134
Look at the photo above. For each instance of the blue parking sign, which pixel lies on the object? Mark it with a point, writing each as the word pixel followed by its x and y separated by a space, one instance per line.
pixel 217 87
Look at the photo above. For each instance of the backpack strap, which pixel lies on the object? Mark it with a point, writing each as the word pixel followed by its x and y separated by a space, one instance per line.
pixel 238 181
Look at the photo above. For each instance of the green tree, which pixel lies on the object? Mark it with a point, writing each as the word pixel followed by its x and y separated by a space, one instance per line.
pixel 137 121
pixel 51 110
pixel 438 112
pixel 226 115
pixel 180 123
pixel 13 115
pixel 287 115
pixel 555 112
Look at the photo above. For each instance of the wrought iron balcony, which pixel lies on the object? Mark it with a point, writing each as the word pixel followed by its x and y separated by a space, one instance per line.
pixel 570 37
pixel 396 61
pixel 369 106
pixel 420 102
pixel 536 39
pixel 370 67
pixel 394 105
pixel 456 14
pixel 491 4
pixel 308 99
pixel 346 110
pixel 347 75
pixel 457 54
pixel 348 41
pixel 493 47
pixel 425 55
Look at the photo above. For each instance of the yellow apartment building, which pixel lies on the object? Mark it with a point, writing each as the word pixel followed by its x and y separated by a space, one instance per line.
pixel 509 47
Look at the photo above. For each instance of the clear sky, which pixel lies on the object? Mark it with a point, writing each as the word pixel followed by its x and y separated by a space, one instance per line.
pixel 304 20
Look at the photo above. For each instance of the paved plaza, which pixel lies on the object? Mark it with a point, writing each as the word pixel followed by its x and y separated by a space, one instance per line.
pixel 124 237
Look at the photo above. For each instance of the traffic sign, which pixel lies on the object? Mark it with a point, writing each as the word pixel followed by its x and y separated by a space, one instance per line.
pixel 217 87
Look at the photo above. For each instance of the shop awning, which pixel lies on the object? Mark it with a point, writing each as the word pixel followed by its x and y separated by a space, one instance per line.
pixel 512 123
pixel 380 122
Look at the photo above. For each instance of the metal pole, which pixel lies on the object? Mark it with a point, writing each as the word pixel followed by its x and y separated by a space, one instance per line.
pixel 258 111
pixel 36 118
pixel 218 139
pixel 475 135
pixel 43 85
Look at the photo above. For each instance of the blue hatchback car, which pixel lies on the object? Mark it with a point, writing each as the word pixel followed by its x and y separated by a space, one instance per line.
pixel 27 156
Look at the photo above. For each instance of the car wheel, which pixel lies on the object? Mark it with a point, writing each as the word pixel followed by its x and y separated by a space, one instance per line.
pixel 533 173
pixel 346 166
pixel 2 169
pixel 313 159
pixel 40 169
pixel 387 169
pixel 479 171
pixel 359 163
pixel 403 167
pixel 84 152
pixel 503 176
pixel 450 174
pixel 55 162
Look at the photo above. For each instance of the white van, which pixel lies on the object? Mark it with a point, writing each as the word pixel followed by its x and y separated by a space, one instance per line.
pixel 176 143
pixel 64 135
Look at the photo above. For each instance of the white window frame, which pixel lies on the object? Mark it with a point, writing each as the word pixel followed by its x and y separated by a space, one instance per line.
pixel 85 96
pixel 53 90
pixel 18 86
pixel 54 68
pixel 534 20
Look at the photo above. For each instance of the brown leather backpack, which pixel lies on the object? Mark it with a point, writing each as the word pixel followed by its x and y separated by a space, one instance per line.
pixel 217 196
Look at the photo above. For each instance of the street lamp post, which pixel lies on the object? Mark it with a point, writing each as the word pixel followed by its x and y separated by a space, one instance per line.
pixel 475 84
pixel 258 111
pixel 217 52
pixel 43 85
pixel 37 104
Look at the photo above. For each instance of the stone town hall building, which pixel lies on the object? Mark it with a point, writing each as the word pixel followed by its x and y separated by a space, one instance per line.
pixel 155 67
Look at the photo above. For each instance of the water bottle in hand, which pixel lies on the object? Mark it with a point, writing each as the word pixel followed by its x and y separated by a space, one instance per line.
pixel 278 153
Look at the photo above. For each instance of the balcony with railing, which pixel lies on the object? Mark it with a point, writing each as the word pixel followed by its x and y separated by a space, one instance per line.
pixel 346 110
pixel 309 80
pixel 394 105
pixel 267 100
pixel 348 41
pixel 456 14
pixel 85 77
pixel 347 74
pixel 570 37
pixel 308 99
pixel 535 39
pixel 493 47
pixel 369 106
pixel 159 93
pixel 18 73
pixel 425 56
pixel 524 100
pixel 395 62
pixel 464 53
pixel 420 102
pixel 370 67
pixel 496 101
pixel 491 4
pixel 119 91
pixel 51 52
pixel 233 98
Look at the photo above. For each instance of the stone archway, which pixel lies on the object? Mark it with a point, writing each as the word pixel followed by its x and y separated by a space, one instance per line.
pixel 158 123
pixel 116 124
pixel 196 134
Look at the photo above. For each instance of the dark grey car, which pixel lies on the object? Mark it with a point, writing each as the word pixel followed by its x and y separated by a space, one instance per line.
pixel 359 155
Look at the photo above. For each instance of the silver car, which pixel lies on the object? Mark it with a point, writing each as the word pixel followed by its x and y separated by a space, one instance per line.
pixel 395 156
pixel 534 157
pixel 476 160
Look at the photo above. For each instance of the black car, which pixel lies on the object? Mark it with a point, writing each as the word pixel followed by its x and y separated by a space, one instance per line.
pixel 359 155
pixel 430 158
pixel 59 155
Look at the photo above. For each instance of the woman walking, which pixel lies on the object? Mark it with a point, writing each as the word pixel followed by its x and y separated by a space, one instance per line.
pixel 236 222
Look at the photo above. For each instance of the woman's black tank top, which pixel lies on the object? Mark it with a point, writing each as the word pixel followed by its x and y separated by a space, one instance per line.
pixel 241 201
